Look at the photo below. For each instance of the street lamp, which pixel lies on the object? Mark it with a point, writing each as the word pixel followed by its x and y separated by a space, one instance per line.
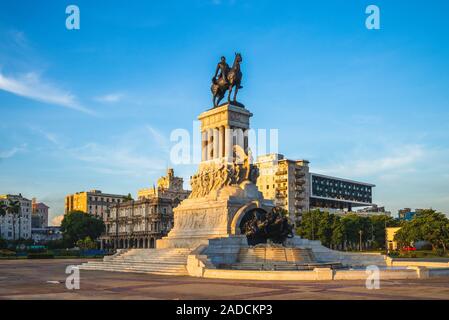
pixel 360 241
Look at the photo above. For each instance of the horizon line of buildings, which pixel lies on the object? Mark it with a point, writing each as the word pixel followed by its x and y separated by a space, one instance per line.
pixel 138 223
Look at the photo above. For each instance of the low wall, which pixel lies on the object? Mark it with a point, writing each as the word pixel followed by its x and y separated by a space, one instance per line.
pixel 203 260
pixel 416 263
pixel 317 274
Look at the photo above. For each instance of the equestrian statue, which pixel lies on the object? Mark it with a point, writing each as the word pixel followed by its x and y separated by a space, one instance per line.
pixel 225 79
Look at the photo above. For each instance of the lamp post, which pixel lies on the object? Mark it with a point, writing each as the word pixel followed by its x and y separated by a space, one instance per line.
pixel 360 240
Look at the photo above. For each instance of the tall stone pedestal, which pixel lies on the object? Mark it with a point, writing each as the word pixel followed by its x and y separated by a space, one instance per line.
pixel 224 188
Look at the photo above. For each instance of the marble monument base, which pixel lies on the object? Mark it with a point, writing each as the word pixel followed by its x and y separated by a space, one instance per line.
pixel 217 215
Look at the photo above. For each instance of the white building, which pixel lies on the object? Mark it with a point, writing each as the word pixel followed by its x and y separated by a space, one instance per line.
pixel 20 222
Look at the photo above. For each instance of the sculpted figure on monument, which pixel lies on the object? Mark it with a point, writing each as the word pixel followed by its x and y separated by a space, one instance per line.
pixel 226 79
pixel 260 226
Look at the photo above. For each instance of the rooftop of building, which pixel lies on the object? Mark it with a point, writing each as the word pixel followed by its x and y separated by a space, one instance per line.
pixel 342 179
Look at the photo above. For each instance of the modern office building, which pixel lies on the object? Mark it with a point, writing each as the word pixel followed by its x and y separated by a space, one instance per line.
pixel 93 202
pixel 16 226
pixel 291 186
pixel 328 192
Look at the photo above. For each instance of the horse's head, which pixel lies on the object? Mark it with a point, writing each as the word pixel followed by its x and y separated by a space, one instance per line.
pixel 238 57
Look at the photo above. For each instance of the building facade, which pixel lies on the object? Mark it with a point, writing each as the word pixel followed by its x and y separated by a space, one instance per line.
pixel 39 214
pixel 93 202
pixel 169 186
pixel 291 186
pixel 45 234
pixel 332 193
pixel 285 182
pixel 391 243
pixel 14 227
pixel 138 224
pixel 407 214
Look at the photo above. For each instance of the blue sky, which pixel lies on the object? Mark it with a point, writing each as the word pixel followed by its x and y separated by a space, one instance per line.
pixel 94 108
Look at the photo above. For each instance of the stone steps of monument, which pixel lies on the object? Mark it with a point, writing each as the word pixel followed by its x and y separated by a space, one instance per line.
pixel 157 261
pixel 151 260
pixel 148 266
pixel 155 252
pixel 137 266
pixel 162 270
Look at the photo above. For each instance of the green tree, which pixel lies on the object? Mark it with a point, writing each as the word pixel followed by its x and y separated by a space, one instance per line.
pixel 378 225
pixel 427 225
pixel 338 233
pixel 308 228
pixel 128 198
pixel 78 225
pixel 86 243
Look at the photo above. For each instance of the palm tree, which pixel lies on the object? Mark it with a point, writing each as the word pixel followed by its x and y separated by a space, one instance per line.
pixel 13 208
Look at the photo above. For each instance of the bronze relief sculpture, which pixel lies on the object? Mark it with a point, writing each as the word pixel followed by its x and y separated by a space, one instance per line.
pixel 227 79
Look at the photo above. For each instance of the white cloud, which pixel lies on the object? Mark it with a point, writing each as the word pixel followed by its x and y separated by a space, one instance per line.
pixel 56 221
pixel 110 98
pixel 12 152
pixel 31 86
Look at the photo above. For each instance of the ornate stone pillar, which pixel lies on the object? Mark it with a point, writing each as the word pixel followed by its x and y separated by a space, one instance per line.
pixel 228 143
pixel 204 145
pixel 221 144
pixel 210 138
pixel 245 141
pixel 216 143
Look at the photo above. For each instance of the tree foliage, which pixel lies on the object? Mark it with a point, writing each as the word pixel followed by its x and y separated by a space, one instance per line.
pixel 86 243
pixel 427 225
pixel 344 231
pixel 78 225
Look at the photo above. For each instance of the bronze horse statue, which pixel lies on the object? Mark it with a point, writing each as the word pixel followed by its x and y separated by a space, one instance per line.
pixel 233 80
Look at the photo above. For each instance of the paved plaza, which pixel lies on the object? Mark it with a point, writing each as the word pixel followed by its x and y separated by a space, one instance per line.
pixel 45 279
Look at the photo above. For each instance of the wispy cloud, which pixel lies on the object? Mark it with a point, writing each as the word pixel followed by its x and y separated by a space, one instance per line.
pixel 49 136
pixel 12 152
pixel 158 137
pixel 110 98
pixel 32 86
pixel 118 159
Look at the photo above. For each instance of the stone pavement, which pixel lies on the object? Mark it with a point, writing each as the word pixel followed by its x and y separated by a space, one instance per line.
pixel 45 279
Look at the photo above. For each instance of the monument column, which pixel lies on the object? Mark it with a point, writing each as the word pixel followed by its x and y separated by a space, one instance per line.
pixel 210 138
pixel 245 140
pixel 216 144
pixel 204 145
pixel 228 143
pixel 221 145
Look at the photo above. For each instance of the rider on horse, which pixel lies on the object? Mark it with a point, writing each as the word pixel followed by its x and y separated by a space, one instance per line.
pixel 223 68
